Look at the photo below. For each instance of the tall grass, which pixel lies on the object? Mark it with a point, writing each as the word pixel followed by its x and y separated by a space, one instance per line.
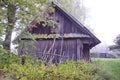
pixel 111 65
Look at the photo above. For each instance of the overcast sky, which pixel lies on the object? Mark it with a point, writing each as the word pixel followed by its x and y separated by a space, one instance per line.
pixel 104 18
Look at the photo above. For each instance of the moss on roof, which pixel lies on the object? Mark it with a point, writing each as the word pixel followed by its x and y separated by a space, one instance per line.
pixel 49 36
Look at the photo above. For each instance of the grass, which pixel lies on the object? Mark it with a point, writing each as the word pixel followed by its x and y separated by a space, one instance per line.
pixel 111 65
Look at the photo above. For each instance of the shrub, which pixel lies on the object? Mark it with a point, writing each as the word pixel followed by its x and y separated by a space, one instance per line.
pixel 7 58
pixel 69 70
pixel 34 69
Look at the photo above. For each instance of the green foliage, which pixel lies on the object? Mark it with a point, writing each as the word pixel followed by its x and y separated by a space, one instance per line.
pixel 34 69
pixel 111 65
pixel 101 73
pixel 7 58
pixel 117 44
pixel 67 71
pixel 15 15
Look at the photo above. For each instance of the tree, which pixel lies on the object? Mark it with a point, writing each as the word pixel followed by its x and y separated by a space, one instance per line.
pixel 117 44
pixel 14 15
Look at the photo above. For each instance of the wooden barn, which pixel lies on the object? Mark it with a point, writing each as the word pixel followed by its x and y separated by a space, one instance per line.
pixel 69 41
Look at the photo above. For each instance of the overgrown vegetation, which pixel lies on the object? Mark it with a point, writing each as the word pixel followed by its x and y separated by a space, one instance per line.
pixel 11 68
pixel 111 65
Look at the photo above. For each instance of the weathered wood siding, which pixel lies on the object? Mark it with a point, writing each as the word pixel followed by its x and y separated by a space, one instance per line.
pixel 39 29
pixel 69 49
pixel 65 25
pixel 86 52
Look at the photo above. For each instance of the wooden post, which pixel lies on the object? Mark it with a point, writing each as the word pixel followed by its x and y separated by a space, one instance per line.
pixel 79 50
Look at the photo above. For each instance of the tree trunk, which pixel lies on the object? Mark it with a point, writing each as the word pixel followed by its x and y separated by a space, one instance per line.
pixel 11 10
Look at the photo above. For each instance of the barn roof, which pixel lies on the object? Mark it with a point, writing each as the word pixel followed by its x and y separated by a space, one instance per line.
pixel 69 16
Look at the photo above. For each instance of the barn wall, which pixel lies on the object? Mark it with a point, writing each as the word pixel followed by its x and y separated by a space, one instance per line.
pixel 69 49
pixel 79 49
pixel 65 25
pixel 40 29
pixel 86 52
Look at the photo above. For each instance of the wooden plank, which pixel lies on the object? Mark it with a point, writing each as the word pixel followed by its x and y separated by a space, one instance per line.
pixel 78 50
